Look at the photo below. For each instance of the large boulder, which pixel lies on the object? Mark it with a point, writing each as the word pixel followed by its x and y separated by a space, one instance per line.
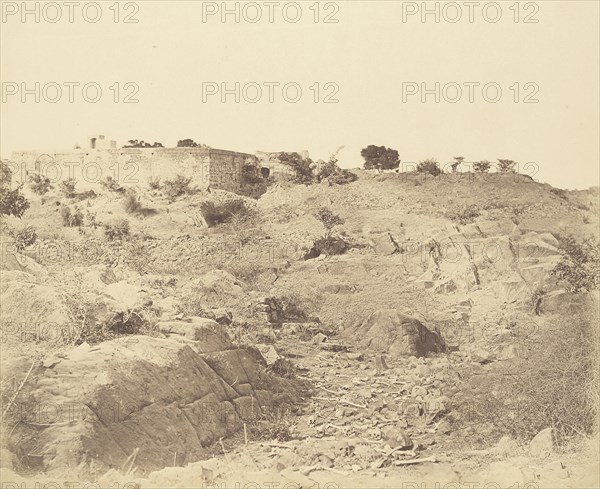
pixel 570 302
pixel 395 333
pixel 96 406
pixel 128 296
pixel 547 238
pixel 96 276
pixel 544 443
pixel 222 282
pixel 216 285
pixel 383 243
pixel 493 256
pixel 536 274
pixel 210 335
pixel 13 261
pixel 532 247
pixel 331 246
pixel 512 288
pixel 471 231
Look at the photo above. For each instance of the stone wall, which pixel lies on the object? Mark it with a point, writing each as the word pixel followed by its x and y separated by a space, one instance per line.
pixel 134 166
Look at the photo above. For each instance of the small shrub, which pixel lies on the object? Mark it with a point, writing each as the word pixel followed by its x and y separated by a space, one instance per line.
pixel 134 143
pixel 71 218
pixel 517 211
pixel 187 143
pixel 329 220
pixel 579 266
pixel 430 166
pixel 296 307
pixel 24 237
pixel 380 158
pixel 482 166
pixel 67 187
pixel 331 171
pixel 77 218
pixel 455 164
pixel 277 425
pixel 226 212
pixel 284 368
pixel 39 184
pixel 177 187
pixel 91 220
pixel 537 300
pixel 464 215
pixel 13 202
pixel 65 214
pixel 110 184
pixel 336 175
pixel 117 230
pixel 154 183
pixel 302 167
pixel 131 204
pixel 506 166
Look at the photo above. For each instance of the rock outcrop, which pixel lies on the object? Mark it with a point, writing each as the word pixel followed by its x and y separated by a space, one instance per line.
pixel 155 397
pixel 395 333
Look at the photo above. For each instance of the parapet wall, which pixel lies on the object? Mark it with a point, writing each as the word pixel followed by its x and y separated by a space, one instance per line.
pixel 134 166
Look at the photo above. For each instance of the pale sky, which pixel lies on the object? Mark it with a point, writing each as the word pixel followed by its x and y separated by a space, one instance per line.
pixel 368 55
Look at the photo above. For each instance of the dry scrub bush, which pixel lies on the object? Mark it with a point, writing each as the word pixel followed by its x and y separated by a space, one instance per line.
pixel 117 230
pixel 464 215
pixel 297 306
pixel 12 202
pixel 555 385
pixel 274 425
pixel 110 184
pixel 284 368
pixel 154 183
pixel 23 237
pixel 276 422
pixel 67 187
pixel 83 318
pixel 430 166
pixel 71 218
pixel 39 184
pixel 232 211
pixel 85 324
pixel 177 187
pixel 579 266
pixel 131 204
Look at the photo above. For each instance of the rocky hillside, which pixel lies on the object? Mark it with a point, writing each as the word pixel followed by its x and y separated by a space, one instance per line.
pixel 372 344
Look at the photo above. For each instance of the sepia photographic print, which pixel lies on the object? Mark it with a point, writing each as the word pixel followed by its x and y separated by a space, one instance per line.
pixel 300 244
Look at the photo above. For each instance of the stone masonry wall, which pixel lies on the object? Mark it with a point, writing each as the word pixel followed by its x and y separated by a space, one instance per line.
pixel 134 166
